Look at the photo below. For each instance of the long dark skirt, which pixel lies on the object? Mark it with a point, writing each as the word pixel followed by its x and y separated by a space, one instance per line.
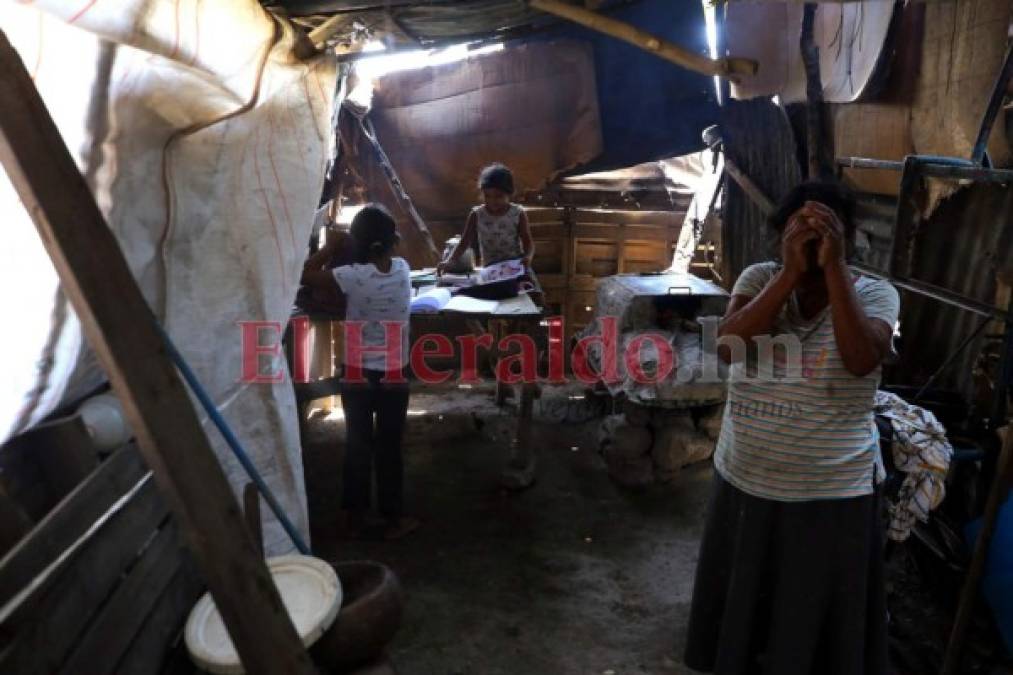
pixel 789 588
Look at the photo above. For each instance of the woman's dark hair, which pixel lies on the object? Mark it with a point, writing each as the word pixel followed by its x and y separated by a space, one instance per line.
pixel 374 232
pixel 829 193
pixel 496 176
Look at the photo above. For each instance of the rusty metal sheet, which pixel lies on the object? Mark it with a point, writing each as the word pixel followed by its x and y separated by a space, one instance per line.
pixel 533 107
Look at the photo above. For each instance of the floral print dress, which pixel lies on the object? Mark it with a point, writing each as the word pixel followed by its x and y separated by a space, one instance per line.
pixel 499 236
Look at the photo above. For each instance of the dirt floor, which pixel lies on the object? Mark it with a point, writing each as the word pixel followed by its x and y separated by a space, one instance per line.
pixel 570 576
pixel 573 575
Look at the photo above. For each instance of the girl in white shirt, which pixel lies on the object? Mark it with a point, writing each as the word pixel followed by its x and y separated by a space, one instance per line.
pixel 374 389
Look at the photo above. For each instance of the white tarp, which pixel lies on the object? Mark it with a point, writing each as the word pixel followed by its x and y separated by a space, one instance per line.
pixel 205 99
pixel 850 38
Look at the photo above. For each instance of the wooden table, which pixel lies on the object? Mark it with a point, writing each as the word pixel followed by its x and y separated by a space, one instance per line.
pixel 517 315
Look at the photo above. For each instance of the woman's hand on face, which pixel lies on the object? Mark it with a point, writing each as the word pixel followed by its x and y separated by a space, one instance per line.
pixel 797 233
pixel 831 232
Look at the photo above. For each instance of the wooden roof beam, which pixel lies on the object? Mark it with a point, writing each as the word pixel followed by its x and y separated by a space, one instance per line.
pixel 731 67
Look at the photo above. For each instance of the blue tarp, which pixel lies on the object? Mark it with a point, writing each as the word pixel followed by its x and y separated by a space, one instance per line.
pixel 650 108
pixel 997 582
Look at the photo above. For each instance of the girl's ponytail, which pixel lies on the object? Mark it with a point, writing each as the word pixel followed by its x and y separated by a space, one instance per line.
pixel 374 232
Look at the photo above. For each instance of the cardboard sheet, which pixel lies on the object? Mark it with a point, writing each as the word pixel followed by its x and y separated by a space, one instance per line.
pixel 876 131
pixel 533 107
pixel 962 52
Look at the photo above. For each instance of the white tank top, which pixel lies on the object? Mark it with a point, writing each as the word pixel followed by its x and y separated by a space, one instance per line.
pixel 499 236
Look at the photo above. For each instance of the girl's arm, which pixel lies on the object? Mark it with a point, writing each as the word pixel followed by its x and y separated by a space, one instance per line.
pixel 467 241
pixel 323 254
pixel 336 244
pixel 315 274
pixel 527 243
pixel 319 278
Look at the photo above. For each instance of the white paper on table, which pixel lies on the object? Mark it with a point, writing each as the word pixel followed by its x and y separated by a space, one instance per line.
pixel 522 304
pixel 431 301
pixel 469 305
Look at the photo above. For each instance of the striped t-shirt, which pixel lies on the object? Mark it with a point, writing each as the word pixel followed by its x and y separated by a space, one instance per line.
pixel 799 426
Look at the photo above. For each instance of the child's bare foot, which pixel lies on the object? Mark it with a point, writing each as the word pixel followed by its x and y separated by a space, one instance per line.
pixel 397 528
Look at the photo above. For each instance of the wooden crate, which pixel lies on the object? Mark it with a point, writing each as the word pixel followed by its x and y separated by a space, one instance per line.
pixel 596 258
pixel 646 256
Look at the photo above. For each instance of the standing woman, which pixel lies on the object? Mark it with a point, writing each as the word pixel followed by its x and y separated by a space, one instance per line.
pixel 377 289
pixel 790 574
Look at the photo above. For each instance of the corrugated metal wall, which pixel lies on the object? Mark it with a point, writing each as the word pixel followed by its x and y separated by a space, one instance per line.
pixel 964 247
pixel 758 138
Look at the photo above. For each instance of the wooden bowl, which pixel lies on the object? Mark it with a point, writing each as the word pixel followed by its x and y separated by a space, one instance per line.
pixel 369 617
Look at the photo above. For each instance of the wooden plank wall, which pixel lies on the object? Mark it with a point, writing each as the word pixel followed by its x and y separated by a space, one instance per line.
pixel 102 583
pixel 576 247
pixel 93 576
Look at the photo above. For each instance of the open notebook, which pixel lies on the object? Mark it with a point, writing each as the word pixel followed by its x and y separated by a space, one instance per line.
pixel 442 300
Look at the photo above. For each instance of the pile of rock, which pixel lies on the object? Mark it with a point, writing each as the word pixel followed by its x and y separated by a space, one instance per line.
pixel 645 445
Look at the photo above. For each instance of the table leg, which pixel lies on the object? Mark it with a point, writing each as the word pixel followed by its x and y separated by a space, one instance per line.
pixel 479 328
pixel 502 393
pixel 520 470
pixel 499 329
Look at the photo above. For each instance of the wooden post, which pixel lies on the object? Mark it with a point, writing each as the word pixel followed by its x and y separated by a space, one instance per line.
pixel 752 190
pixel 724 67
pixel 720 10
pixel 318 36
pixel 119 326
pixel 397 187
pixel 251 511
pixel 813 92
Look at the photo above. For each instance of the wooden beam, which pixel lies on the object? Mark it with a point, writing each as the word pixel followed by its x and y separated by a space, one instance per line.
pixel 752 190
pixel 310 45
pixel 318 36
pixel 41 466
pixel 120 328
pixel 817 166
pixel 398 189
pixel 115 625
pixel 65 524
pixel 729 67
pixel 45 619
